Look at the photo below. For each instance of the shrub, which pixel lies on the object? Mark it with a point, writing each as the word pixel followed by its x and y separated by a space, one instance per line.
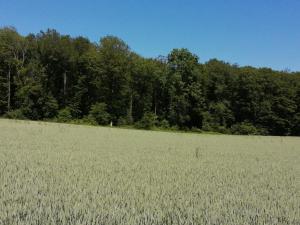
pixel 124 121
pixel 64 115
pixel 174 128
pixel 88 121
pixel 296 125
pixel 262 131
pixel 208 122
pixel 196 130
pixel 222 130
pixel 99 114
pixel 164 124
pixel 148 121
pixel 244 128
pixel 15 114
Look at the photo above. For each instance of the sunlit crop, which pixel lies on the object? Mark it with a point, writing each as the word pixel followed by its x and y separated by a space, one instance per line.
pixel 69 174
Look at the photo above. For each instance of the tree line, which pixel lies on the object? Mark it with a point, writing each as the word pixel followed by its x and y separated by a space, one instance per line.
pixel 50 76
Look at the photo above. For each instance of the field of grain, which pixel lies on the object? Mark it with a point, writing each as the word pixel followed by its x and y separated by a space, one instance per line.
pixel 69 174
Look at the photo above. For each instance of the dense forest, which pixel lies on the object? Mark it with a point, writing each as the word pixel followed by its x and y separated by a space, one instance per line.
pixel 50 76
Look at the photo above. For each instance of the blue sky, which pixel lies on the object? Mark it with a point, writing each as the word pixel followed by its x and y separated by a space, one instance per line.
pixel 256 32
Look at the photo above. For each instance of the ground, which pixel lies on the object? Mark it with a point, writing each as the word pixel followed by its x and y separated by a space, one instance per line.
pixel 69 174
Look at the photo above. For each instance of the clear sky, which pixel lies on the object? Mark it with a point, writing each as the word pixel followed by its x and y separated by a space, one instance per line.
pixel 246 32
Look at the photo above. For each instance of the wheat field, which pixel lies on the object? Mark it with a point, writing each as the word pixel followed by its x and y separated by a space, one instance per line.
pixel 70 174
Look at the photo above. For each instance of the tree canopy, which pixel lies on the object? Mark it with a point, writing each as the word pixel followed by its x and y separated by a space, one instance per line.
pixel 50 76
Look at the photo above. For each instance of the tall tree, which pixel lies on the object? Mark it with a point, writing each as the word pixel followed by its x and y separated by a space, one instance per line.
pixel 114 74
pixel 13 56
pixel 184 89
pixel 57 55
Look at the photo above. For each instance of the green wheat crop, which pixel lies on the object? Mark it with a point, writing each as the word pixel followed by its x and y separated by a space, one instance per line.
pixel 69 174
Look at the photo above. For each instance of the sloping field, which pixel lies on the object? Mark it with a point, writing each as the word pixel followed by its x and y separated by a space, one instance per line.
pixel 68 174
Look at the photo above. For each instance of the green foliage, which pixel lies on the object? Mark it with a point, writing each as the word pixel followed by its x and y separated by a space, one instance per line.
pixel 244 128
pixel 196 130
pixel 124 121
pixel 15 114
pixel 36 104
pixel 148 121
pixel 99 114
pixel 184 90
pixel 296 125
pixel 164 124
pixel 113 75
pixel 64 115
pixel 3 94
pixel 50 75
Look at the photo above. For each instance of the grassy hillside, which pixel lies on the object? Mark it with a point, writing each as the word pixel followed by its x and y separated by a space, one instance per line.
pixel 69 174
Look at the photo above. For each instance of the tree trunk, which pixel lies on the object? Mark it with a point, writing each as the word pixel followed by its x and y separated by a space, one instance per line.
pixel 9 89
pixel 155 103
pixel 65 85
pixel 130 119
